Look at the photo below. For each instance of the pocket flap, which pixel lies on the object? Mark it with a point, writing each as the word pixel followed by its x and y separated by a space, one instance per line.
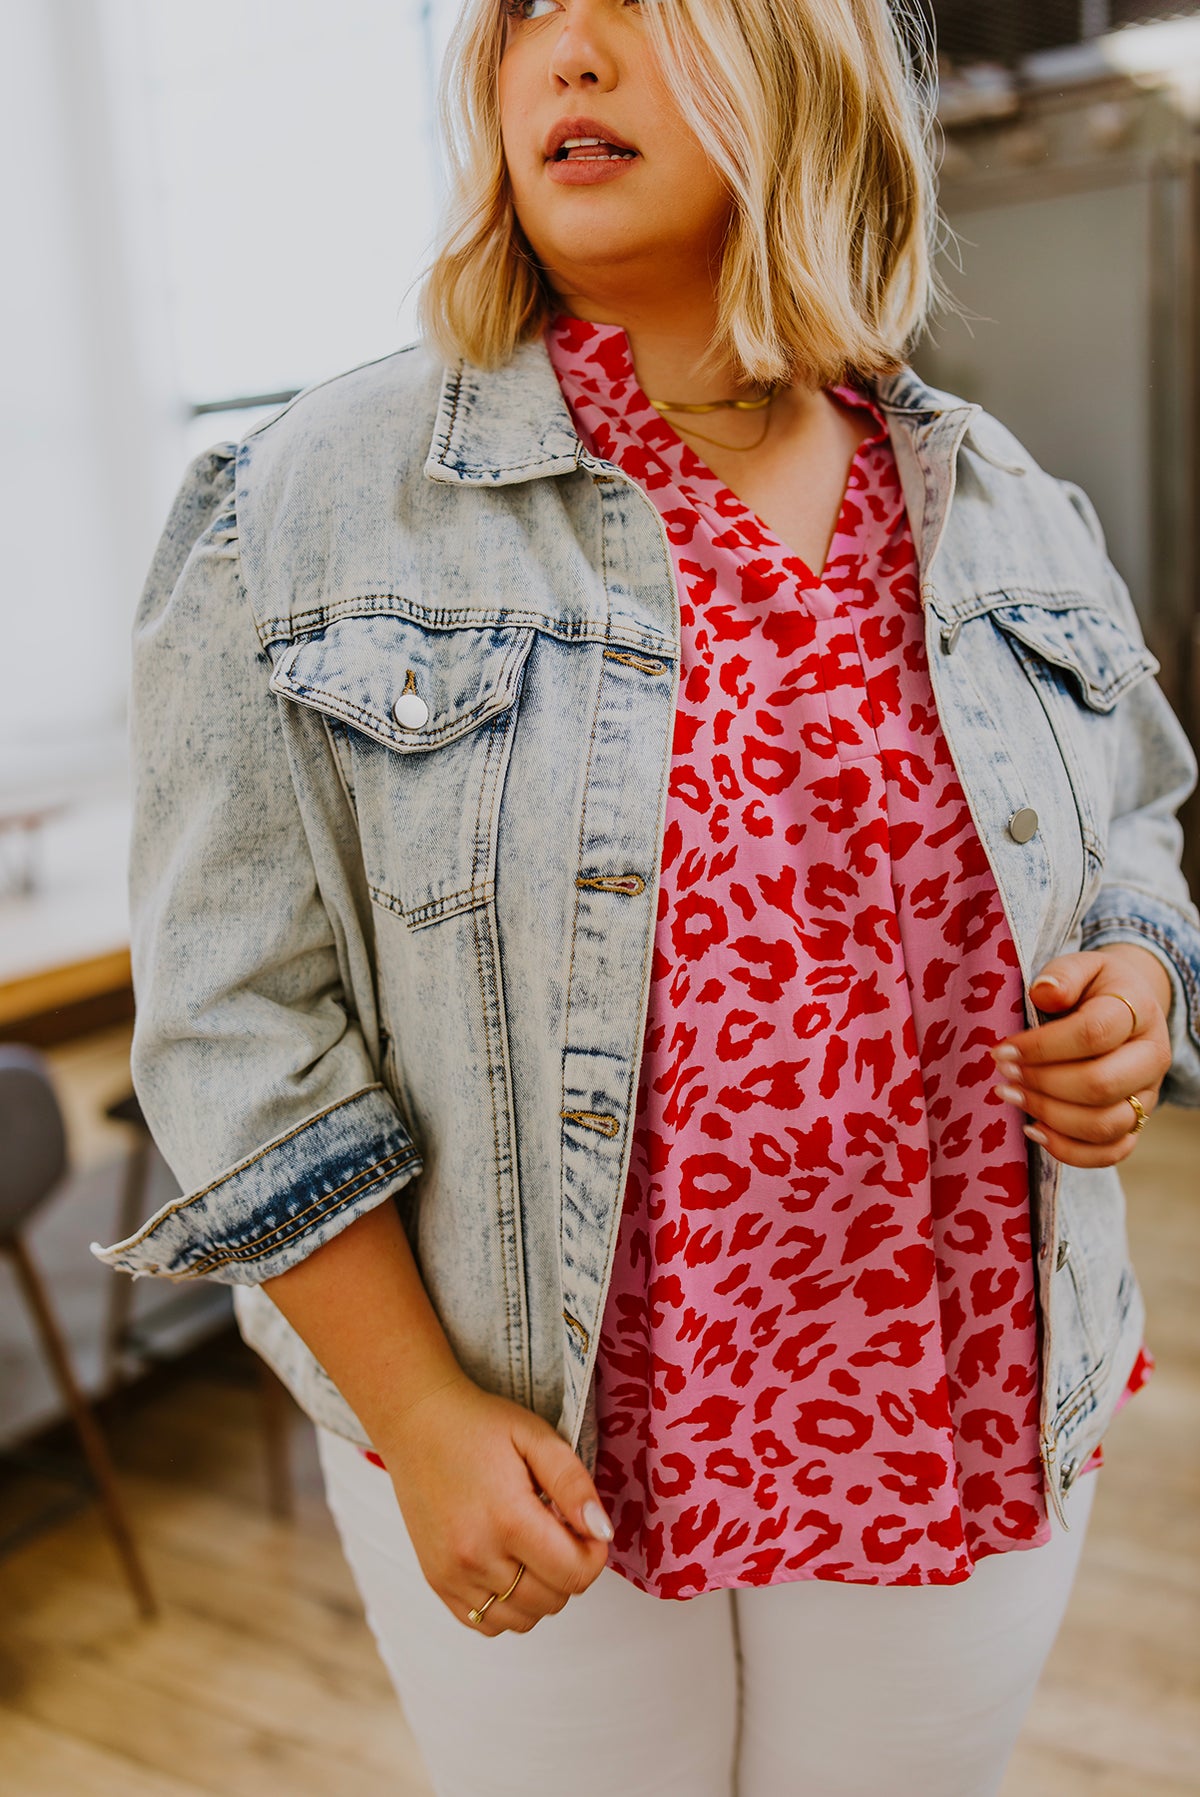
pixel 449 681
pixel 1103 660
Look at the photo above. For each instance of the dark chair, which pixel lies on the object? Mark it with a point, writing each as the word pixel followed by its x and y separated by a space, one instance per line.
pixel 33 1159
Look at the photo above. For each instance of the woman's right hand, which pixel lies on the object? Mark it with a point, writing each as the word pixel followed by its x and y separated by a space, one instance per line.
pixel 467 1467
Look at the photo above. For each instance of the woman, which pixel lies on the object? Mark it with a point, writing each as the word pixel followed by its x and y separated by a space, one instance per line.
pixel 657 919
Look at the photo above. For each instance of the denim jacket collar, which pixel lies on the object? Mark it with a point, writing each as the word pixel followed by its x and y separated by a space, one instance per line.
pixel 497 427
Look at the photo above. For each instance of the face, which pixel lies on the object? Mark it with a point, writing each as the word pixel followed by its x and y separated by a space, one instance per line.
pixel 608 181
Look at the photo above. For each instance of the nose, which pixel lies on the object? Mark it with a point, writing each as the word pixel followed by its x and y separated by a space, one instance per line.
pixel 582 56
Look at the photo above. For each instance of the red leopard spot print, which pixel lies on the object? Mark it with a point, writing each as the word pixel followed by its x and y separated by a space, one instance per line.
pixel 823 1283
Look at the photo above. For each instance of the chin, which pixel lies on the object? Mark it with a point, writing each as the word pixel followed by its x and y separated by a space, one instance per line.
pixel 581 246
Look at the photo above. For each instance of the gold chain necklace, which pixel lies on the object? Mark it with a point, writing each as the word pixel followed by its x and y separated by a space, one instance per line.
pixel 722 405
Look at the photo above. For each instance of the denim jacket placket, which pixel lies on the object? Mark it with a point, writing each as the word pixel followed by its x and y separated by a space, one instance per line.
pixel 602 1054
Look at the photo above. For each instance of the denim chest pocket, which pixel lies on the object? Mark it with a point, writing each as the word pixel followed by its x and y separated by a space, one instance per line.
pixel 1081 662
pixel 421 720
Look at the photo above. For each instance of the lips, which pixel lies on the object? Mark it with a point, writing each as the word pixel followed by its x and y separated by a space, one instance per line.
pixel 568 132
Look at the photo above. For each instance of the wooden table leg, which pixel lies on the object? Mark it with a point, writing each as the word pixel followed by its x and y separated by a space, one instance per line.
pixel 92 1441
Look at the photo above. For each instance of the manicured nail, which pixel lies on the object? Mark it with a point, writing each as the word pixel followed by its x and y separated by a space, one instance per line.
pixel 1006 1052
pixel 1035 1135
pixel 598 1524
pixel 1010 1094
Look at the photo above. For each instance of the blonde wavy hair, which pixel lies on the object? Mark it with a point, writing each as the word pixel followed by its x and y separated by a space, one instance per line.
pixel 818 114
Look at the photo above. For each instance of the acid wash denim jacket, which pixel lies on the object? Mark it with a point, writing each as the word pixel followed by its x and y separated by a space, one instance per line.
pixel 405 672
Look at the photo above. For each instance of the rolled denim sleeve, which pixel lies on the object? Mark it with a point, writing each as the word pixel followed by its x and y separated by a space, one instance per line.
pixel 251 1069
pixel 1144 897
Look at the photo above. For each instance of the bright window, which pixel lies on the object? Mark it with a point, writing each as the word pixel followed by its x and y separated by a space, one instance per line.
pixel 296 186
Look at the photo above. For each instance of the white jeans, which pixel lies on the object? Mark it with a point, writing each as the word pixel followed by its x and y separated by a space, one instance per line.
pixel 801 1690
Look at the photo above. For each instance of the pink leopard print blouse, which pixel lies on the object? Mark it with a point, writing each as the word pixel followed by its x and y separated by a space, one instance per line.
pixel 819 1350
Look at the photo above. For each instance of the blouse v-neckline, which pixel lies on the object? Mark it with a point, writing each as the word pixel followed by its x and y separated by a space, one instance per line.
pixel 617 393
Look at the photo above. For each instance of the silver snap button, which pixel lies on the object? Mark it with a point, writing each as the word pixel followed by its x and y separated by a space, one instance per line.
pixel 410 711
pixel 1023 824
pixel 1064 1249
pixel 1068 1474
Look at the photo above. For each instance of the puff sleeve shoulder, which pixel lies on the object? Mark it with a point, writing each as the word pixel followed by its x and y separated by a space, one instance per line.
pixel 249 1059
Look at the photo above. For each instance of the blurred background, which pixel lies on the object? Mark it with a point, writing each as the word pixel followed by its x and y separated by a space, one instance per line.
pixel 206 209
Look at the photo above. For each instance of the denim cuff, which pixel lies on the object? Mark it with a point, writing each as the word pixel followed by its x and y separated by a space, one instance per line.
pixel 1128 914
pixel 272 1209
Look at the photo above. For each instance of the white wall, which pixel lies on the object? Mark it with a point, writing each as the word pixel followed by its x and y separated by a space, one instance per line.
pixel 297 168
pixel 196 203
pixel 81 430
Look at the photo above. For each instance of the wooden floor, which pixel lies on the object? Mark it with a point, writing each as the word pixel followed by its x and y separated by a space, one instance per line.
pixel 260 1677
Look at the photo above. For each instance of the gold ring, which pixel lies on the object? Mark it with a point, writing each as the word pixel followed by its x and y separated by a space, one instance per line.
pixel 515 1583
pixel 1140 1114
pixel 496 1597
pixel 1136 1025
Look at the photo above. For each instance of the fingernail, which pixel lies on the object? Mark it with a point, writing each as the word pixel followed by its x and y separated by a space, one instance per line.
pixel 1010 1094
pixel 1006 1052
pixel 1035 1135
pixel 597 1523
pixel 1048 979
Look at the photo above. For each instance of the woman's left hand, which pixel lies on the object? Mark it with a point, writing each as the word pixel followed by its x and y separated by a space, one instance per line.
pixel 1074 1076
